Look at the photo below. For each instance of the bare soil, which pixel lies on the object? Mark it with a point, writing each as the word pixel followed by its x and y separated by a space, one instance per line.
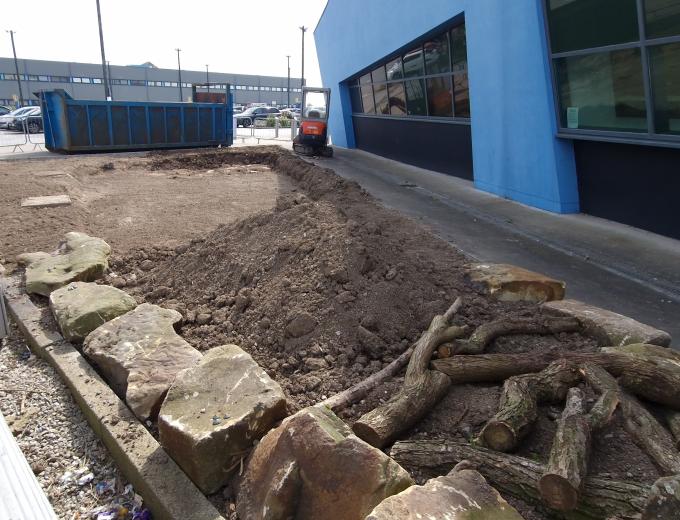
pixel 304 270
pixel 126 202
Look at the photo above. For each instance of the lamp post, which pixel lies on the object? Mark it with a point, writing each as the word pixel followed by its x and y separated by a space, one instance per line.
pixel 108 71
pixel 207 76
pixel 107 91
pixel 179 72
pixel 288 89
pixel 304 30
pixel 16 67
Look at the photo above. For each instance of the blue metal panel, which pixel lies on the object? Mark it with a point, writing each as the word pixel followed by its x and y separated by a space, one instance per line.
pixel 515 149
pixel 89 126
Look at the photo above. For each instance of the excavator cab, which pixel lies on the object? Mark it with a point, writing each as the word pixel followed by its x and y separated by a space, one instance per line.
pixel 312 138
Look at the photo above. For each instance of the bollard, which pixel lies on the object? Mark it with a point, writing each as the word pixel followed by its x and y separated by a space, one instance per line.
pixel 293 129
pixel 276 129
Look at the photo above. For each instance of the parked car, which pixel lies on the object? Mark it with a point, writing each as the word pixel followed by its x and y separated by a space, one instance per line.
pixel 8 118
pixel 19 123
pixel 249 116
pixel 4 110
pixel 32 122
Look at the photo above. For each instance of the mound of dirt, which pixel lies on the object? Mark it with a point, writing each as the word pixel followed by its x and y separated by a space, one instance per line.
pixel 328 288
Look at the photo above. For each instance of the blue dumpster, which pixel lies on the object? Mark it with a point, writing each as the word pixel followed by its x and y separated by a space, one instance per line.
pixel 75 125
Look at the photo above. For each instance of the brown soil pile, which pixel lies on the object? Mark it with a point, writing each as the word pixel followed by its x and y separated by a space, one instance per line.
pixel 329 287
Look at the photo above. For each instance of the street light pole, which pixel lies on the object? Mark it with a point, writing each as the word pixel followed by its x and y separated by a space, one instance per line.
pixel 304 30
pixel 207 76
pixel 179 72
pixel 107 91
pixel 16 67
pixel 108 70
pixel 288 90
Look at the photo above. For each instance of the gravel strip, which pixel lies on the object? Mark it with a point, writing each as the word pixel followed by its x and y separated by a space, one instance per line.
pixel 71 464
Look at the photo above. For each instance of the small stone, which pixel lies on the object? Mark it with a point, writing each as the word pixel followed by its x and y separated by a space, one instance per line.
pixel 37 468
pixel 203 318
pixel 391 274
pixel 313 364
pixel 345 297
pixel 146 265
pixel 301 325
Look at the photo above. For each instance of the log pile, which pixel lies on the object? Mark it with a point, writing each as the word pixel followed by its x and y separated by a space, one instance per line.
pixel 622 378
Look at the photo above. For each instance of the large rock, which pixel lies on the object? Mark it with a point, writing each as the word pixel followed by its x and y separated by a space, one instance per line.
pixel 313 467
pixel 511 283
pixel 461 495
pixel 81 258
pixel 664 500
pixel 81 307
pixel 140 354
pixel 213 413
pixel 609 328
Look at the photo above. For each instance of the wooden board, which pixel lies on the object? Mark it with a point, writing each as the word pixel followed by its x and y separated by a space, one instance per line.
pixel 48 201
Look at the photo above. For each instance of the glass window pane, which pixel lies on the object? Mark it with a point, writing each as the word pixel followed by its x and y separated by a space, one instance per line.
pixel 380 93
pixel 367 99
pixel 413 63
pixel 355 97
pixel 663 18
pixel 415 97
pixel 379 74
pixel 397 99
pixel 665 65
pixel 602 91
pixel 459 48
pixel 365 79
pixel 437 58
pixel 583 24
pixel 394 70
pixel 461 95
pixel 439 99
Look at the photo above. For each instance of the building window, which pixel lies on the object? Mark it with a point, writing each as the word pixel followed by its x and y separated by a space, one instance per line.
pixel 96 80
pixel 138 83
pixel 621 79
pixel 430 80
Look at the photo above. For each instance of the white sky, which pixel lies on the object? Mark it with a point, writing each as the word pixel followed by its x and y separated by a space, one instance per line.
pixel 236 36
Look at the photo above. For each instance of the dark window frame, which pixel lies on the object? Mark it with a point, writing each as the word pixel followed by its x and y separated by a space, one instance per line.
pixel 354 82
pixel 644 44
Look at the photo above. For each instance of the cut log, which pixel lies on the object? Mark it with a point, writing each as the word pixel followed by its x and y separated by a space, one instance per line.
pixel 640 424
pixel 653 377
pixel 423 388
pixel 518 477
pixel 567 466
pixel 521 395
pixel 568 463
pixel 485 334
pixel 357 392
pixel 673 419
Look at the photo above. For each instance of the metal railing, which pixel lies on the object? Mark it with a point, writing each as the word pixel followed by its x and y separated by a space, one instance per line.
pixel 267 133
pixel 17 140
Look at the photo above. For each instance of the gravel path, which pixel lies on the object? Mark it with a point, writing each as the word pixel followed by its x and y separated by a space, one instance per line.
pixel 72 465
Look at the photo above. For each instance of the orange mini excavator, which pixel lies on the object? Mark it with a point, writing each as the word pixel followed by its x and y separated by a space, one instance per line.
pixel 312 138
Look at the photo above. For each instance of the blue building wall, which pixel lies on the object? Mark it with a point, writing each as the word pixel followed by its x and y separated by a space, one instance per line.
pixel 515 151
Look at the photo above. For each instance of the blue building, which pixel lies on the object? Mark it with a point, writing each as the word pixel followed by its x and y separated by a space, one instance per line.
pixel 565 105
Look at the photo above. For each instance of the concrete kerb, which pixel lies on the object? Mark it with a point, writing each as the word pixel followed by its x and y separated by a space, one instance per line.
pixel 167 491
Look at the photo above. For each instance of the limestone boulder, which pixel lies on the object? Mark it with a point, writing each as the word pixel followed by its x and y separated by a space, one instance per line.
pixel 512 283
pixel 80 258
pixel 461 495
pixel 313 467
pixel 81 307
pixel 214 411
pixel 664 500
pixel 609 328
pixel 140 354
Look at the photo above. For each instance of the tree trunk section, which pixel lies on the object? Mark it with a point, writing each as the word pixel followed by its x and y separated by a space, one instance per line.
pixel 519 477
pixel 652 377
pixel 486 333
pixel 567 466
pixel 519 401
pixel 423 388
